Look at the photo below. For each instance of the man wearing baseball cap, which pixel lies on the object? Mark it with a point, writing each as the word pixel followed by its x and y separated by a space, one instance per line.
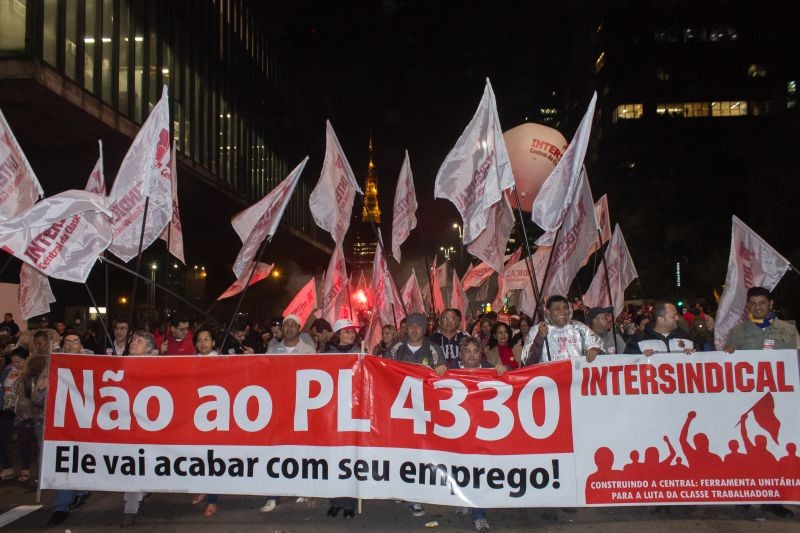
pixel 418 349
pixel 601 320
pixel 292 342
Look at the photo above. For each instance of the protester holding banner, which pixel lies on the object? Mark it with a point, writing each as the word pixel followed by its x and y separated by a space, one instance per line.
pixel 292 342
pixel 567 338
pixel 662 335
pixel 204 341
pixel 764 330
pixel 418 349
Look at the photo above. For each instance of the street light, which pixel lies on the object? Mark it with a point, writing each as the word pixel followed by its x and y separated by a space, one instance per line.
pixel 447 252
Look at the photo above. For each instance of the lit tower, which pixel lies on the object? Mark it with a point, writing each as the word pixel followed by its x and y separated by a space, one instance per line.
pixel 364 242
pixel 371 211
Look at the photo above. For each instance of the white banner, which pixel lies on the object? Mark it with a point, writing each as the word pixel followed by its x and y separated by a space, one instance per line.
pixel 404 215
pixel 621 272
pixel 477 170
pixel 490 246
pixel 145 172
pixel 556 195
pixel 261 220
pixel 173 233
pixel 331 201
pixel 412 295
pixel 19 187
pixel 35 294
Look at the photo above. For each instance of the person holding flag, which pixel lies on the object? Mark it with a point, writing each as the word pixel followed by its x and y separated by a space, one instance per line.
pixel 764 330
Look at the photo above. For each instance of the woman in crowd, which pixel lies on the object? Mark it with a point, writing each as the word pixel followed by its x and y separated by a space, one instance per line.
pixel 12 391
pixel 204 342
pixel 524 328
pixel 345 340
pixel 389 339
pixel 500 351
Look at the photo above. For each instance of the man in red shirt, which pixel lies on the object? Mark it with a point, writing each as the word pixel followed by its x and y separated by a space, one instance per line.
pixel 178 340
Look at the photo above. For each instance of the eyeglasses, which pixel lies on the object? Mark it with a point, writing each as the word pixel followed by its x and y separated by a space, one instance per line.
pixel 72 341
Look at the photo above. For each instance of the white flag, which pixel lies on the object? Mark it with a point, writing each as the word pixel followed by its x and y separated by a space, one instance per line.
pixel 19 187
pixel 35 295
pixel 477 170
pixel 752 263
pixel 621 272
pixel 412 295
pixel 335 285
pixel 97 180
pixel 331 201
pixel 404 216
pixel 577 234
pixel 146 172
pixel 62 236
pixel 261 220
pixel 173 233
pixel 603 224
pixel 262 271
pixel 491 244
pixel 475 276
pixel 303 302
pixel 386 302
pixel 437 305
pixel 556 195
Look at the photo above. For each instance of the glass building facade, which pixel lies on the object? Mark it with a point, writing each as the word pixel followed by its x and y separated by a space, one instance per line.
pixel 235 112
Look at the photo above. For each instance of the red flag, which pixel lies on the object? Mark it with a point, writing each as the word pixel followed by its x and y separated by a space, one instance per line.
pixel 764 413
pixel 458 300
pixel 303 303
pixel 474 277
pixel 335 285
pixel 262 271
pixel 437 305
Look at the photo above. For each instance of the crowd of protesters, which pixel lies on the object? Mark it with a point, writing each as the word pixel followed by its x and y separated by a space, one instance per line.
pixel 504 342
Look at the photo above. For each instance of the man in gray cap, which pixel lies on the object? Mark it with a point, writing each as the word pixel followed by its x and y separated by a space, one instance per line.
pixel 601 320
pixel 292 342
pixel 416 348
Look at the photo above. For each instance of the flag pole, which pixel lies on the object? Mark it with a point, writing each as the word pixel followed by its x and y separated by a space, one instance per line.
pixel 529 261
pixel 608 287
pixel 394 283
pixel 244 291
pixel 102 322
pixel 149 281
pixel 138 268
pixel 349 300
pixel 5 265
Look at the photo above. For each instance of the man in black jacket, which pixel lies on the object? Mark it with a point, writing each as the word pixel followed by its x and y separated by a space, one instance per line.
pixel 662 335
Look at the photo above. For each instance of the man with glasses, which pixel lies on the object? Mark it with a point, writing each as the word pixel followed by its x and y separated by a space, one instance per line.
pixel 178 340
pixel 448 337
pixel 120 332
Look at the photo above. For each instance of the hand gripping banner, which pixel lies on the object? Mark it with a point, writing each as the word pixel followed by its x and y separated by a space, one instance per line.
pixel 669 429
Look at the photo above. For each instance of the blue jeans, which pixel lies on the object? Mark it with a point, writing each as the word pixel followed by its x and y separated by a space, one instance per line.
pixel 477 512
pixel 64 498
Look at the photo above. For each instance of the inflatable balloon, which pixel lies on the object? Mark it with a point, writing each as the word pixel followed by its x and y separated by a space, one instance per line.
pixel 534 150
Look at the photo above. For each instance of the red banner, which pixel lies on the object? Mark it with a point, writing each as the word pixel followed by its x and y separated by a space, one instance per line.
pixel 346 425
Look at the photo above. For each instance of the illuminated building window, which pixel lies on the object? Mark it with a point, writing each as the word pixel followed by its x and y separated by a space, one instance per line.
pixel 763 107
pixel 662 74
pixel 756 71
pixel 599 62
pixel 729 109
pixel 791 86
pixel 627 111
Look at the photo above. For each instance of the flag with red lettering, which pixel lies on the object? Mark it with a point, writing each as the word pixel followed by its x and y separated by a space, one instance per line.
pixel 304 302
pixel 335 285
pixel 262 271
pixel 603 219
pixel 173 233
pixel 475 276
pixel 19 187
pixel 386 302
pixel 477 170
pixel 146 172
pixel 577 234
pixel 437 305
pixel 621 272
pixel 261 220
pixel 412 295
pixel 752 263
pixel 552 203
pixel 459 300
pixel 404 215
pixel 62 236
pixel 97 180
pixel 331 201
pixel 374 334
pixel 491 244
pixel 35 295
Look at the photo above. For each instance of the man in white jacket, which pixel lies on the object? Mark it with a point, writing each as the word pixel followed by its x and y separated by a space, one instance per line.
pixel 560 337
